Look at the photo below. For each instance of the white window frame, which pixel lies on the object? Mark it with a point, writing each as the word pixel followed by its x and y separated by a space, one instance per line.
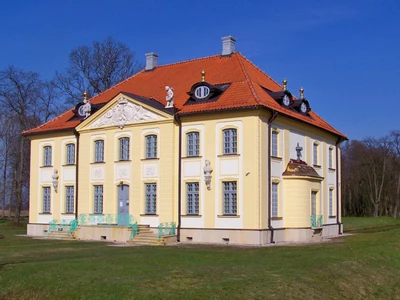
pixel 193 143
pixel 229 140
pixel 70 159
pixel 274 199
pixel 229 196
pixel 330 157
pixel 46 190
pixel 192 198
pixel 151 146
pixel 69 199
pixel 315 153
pixel 47 156
pixel 124 144
pixel 274 142
pixel 330 203
pixel 151 198
pixel 98 199
pixel 99 151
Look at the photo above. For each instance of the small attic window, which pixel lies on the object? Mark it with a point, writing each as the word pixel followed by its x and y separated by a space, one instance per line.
pixel 202 92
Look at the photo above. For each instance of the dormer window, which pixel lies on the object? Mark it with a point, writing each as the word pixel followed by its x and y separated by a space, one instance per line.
pixel 204 92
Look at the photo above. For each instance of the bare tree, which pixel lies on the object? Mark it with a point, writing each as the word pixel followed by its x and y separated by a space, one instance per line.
pixel 29 101
pixel 96 68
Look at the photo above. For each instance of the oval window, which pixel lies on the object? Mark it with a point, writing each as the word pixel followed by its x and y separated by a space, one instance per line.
pixel 202 92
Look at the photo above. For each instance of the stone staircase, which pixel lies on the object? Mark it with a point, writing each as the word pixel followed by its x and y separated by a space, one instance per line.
pixel 146 236
pixel 60 235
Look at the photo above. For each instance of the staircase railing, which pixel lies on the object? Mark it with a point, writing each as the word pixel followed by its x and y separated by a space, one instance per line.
pixel 167 228
pixel 316 221
pixel 109 220
pixel 61 225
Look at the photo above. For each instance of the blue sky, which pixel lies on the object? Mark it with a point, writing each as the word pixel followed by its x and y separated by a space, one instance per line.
pixel 344 53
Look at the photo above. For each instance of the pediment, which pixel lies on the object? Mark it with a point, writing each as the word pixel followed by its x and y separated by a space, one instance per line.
pixel 124 112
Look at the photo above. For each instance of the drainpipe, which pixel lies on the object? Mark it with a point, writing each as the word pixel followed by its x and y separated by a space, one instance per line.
pixel 178 227
pixel 270 120
pixel 339 141
pixel 76 133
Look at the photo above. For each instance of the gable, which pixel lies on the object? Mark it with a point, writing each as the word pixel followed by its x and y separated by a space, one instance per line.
pixel 122 111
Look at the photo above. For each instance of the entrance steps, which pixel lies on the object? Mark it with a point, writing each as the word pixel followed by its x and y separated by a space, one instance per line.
pixel 59 235
pixel 148 237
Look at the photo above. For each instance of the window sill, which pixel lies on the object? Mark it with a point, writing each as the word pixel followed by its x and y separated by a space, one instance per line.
pixel 276 218
pixel 69 165
pixel 317 166
pixel 148 215
pixel 68 214
pixel 228 216
pixel 226 155
pixel 276 158
pixel 98 163
pixel 192 216
pixel 332 217
pixel 46 166
pixel 145 159
pixel 96 214
pixel 332 169
pixel 189 157
pixel 45 213
pixel 122 160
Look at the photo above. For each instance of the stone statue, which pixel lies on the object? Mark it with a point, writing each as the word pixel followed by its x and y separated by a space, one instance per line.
pixel 55 180
pixel 207 174
pixel 86 108
pixel 169 97
pixel 298 150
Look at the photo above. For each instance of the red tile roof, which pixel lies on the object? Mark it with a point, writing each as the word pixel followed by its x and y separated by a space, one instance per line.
pixel 246 90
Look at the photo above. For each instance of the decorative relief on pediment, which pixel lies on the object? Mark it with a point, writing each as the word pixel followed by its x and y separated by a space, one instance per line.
pixel 123 113
pixel 150 170
pixel 97 174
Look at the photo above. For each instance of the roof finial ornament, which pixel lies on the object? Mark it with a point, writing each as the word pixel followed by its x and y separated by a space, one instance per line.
pixel 298 150
pixel 169 97
pixel 284 84
pixel 203 75
pixel 84 97
pixel 301 93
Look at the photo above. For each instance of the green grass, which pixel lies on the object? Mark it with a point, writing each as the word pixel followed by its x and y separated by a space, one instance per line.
pixel 363 223
pixel 361 266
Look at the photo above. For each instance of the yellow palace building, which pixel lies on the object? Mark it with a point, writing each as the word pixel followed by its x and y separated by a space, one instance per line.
pixel 210 150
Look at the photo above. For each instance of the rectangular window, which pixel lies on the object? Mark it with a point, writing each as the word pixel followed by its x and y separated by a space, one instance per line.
pixel 99 151
pixel 47 156
pixel 124 148
pixel 192 198
pixel 46 200
pixel 193 144
pixel 69 199
pixel 230 141
pixel 274 144
pixel 315 154
pixel 274 209
pixel 330 202
pixel 313 203
pixel 230 197
pixel 331 158
pixel 98 199
pixel 151 198
pixel 70 154
pixel 151 146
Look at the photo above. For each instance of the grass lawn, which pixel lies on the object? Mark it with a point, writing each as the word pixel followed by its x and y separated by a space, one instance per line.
pixel 361 266
pixel 366 223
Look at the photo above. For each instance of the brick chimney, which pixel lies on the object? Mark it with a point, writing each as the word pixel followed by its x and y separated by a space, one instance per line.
pixel 228 45
pixel 151 61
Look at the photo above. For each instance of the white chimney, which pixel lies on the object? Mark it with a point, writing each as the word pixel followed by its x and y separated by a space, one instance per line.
pixel 151 61
pixel 228 45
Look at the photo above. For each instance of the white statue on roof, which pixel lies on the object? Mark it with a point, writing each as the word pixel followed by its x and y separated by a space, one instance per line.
pixel 169 97
pixel 86 107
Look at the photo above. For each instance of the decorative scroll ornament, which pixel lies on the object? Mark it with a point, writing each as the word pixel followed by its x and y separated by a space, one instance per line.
pixel 55 180
pixel 207 174
pixel 169 97
pixel 124 112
